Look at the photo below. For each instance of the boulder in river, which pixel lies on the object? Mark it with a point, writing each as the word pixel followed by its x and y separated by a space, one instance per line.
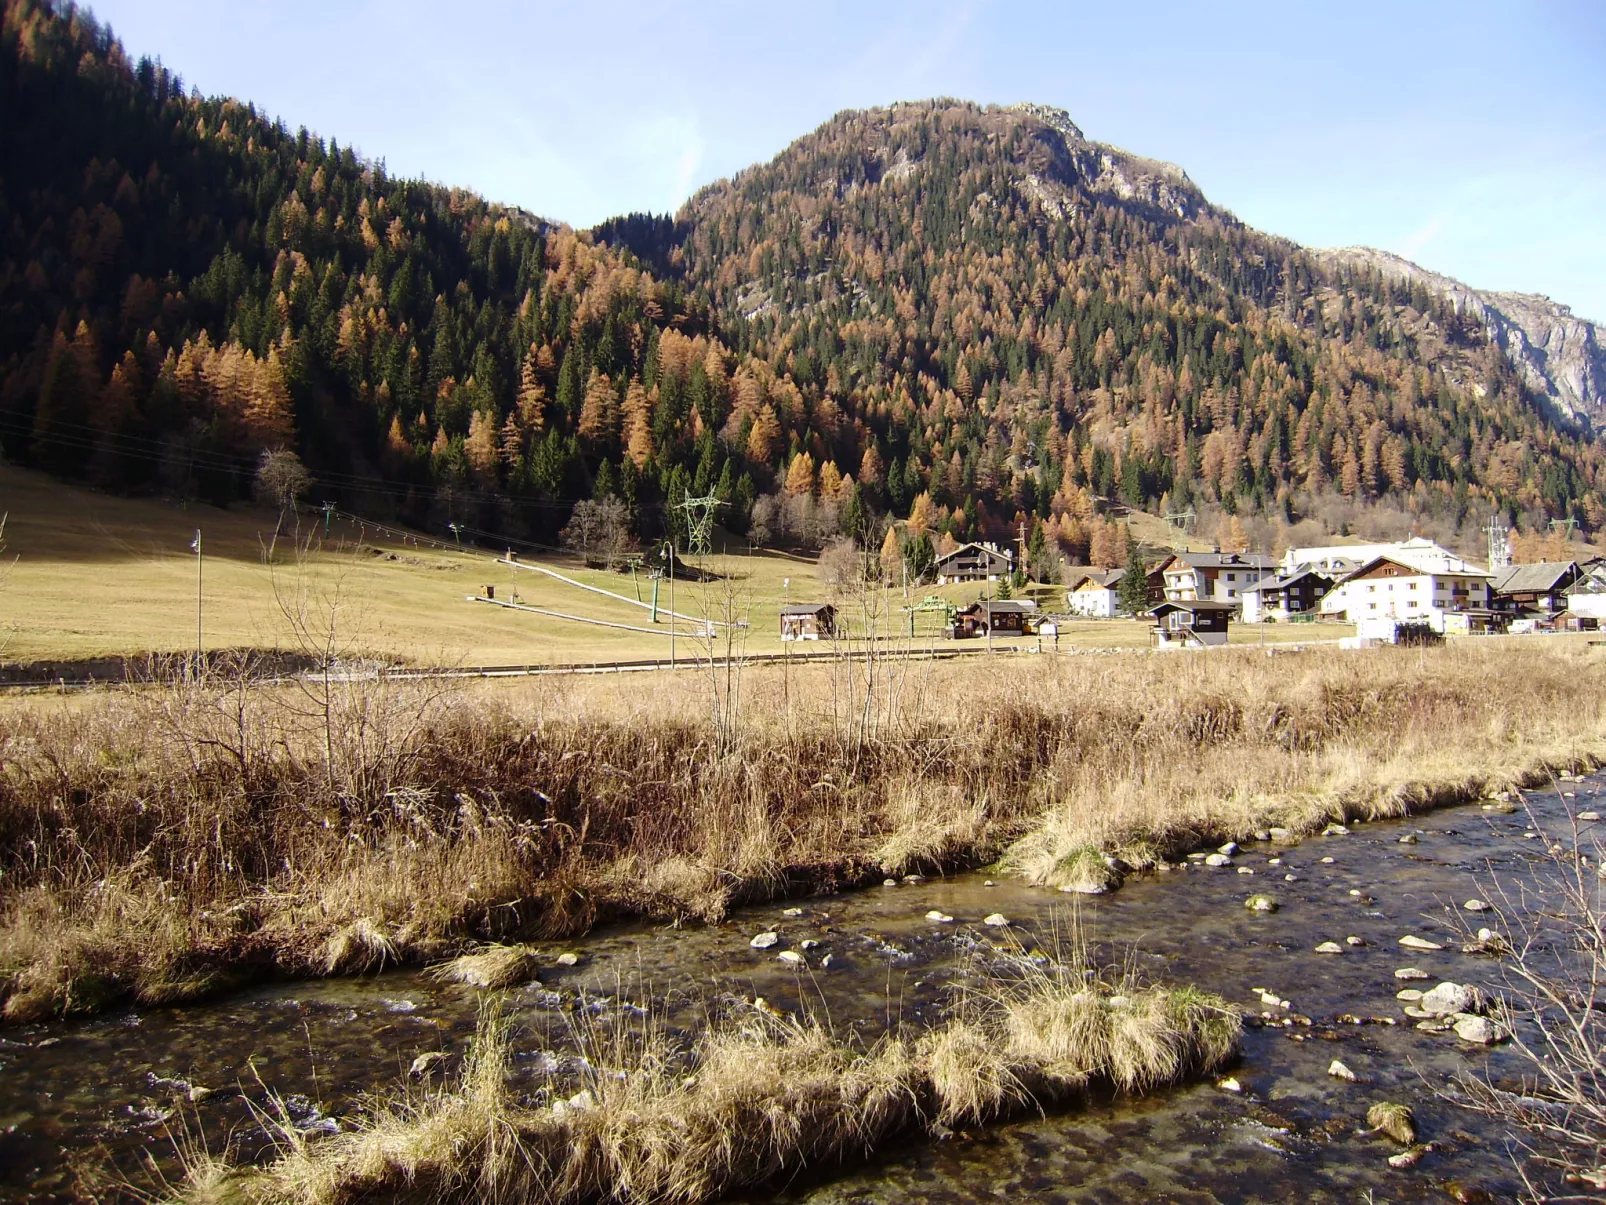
pixel 1409 973
pixel 765 941
pixel 1335 830
pixel 1337 1070
pixel 1411 1157
pixel 1352 940
pixel 1395 1120
pixel 1412 942
pixel 1450 998
pixel 1408 839
pixel 1589 816
pixel 996 919
pixel 1409 995
pixel 568 958
pixel 1229 848
pixel 1475 905
pixel 1261 903
pixel 939 916
pixel 791 957
pixel 426 1062
pixel 1472 1028
pixel 1218 860
pixel 1329 947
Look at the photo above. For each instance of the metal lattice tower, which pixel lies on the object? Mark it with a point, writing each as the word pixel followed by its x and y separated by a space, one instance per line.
pixel 1182 520
pixel 1499 545
pixel 699 523
pixel 1565 526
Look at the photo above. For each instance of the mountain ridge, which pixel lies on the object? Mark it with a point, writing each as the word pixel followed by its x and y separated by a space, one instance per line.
pixel 964 317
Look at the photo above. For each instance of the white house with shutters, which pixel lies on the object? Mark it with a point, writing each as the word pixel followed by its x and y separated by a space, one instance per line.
pixel 1389 588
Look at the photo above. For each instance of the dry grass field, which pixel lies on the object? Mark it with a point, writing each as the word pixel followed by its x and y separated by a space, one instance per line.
pixel 161 843
pixel 96 575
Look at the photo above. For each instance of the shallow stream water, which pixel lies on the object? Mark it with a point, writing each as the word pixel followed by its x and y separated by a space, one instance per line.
pixel 80 1097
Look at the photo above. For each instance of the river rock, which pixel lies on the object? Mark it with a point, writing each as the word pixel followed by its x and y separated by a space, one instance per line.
pixel 1591 816
pixel 791 956
pixel 1262 834
pixel 1470 1028
pixel 426 1062
pixel 1229 848
pixel 197 1094
pixel 568 958
pixel 1335 830
pixel 1337 1070
pixel 1475 906
pixel 1397 1121
pixel 889 882
pixel 1261 903
pixel 1218 860
pixel 1450 998
pixel 1412 942
pixel 1467 1194
pixel 808 943
pixel 1245 870
pixel 939 916
pixel 793 912
pixel 1433 1024
pixel 1290 878
pixel 826 961
pixel 1408 839
pixel 1409 973
pixel 1327 861
pixel 765 940
pixel 1279 834
pixel 1329 947
pixel 1409 995
pixel 989 883
pixel 1271 999
pixel 996 919
pixel 1409 1158
pixel 1229 1085
pixel 1274 861
pixel 1352 940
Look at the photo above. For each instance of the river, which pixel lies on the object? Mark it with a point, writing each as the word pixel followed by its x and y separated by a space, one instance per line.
pixel 78 1098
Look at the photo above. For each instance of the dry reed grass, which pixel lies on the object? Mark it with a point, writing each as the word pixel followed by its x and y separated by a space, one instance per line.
pixel 158 844
pixel 752 1100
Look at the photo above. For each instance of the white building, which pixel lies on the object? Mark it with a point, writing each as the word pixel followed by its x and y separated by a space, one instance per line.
pixel 1095 594
pixel 1339 559
pixel 1213 576
pixel 1389 588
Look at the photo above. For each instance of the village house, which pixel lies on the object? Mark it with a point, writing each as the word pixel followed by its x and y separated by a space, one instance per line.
pixel 1096 593
pixel 1285 596
pixel 1213 576
pixel 1538 590
pixel 974 563
pixel 1000 617
pixel 1387 588
pixel 1192 623
pixel 1339 560
pixel 808 621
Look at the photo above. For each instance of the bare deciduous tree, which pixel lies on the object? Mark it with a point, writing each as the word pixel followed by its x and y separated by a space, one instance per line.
pixel 599 530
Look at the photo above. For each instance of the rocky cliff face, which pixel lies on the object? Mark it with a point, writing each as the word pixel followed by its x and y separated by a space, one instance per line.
pixel 1559 354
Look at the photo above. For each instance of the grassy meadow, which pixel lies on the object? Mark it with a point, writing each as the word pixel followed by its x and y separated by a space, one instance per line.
pixel 98 576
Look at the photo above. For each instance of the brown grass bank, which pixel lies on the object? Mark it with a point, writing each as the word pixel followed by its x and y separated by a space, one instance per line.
pixel 751 1101
pixel 159 844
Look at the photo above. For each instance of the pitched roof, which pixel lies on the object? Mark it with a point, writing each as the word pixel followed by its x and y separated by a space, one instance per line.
pixel 1532 579
pixel 973 547
pixel 1192 604
pixel 1283 580
pixel 1416 569
pixel 805 608
pixel 1224 560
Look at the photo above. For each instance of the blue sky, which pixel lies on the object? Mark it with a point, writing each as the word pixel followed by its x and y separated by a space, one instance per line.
pixel 1470 137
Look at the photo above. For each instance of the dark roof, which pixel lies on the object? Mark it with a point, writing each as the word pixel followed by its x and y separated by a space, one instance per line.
pixel 999 606
pixel 1100 577
pixel 1284 580
pixel 1532 579
pixel 1224 560
pixel 1414 570
pixel 805 608
pixel 1003 553
pixel 1192 604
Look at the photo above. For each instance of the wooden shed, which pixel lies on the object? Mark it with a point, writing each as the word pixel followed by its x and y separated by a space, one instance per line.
pixel 808 621
pixel 1195 623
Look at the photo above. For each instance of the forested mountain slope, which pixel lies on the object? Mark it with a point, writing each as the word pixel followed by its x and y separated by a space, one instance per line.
pixel 974 316
pixel 1021 310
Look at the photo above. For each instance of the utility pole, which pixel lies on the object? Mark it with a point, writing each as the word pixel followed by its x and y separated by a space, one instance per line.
pixel 1021 564
pixel 670 547
pixel 456 530
pixel 328 513
pixel 199 647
